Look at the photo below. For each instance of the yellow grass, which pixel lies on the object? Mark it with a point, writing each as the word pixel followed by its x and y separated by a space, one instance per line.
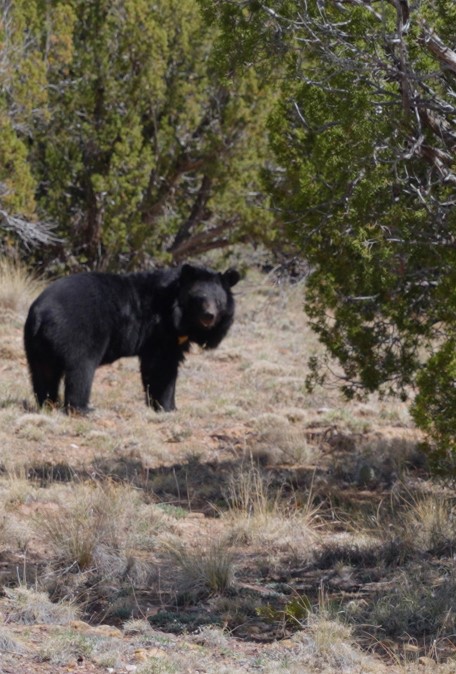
pixel 17 288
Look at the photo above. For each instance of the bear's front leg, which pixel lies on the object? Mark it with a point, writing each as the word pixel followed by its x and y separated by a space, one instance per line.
pixel 159 375
pixel 78 385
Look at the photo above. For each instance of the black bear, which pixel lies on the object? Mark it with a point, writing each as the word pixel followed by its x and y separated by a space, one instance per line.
pixel 85 320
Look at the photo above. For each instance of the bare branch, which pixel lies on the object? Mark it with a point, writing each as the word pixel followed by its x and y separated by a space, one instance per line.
pixel 32 234
pixel 435 45
pixel 153 208
pixel 361 3
pixel 201 242
pixel 196 214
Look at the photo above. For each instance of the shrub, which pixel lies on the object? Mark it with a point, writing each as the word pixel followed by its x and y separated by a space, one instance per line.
pixel 434 408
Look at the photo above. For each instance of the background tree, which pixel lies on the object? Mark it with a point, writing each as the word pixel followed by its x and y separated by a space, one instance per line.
pixel 125 134
pixel 147 150
pixel 22 101
pixel 365 136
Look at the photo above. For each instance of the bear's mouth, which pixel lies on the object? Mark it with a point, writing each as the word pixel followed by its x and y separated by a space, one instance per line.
pixel 207 322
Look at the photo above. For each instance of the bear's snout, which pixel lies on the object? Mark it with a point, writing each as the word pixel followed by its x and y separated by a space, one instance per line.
pixel 207 312
pixel 207 319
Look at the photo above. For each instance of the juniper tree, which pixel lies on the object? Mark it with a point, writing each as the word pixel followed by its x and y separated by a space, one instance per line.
pixel 364 136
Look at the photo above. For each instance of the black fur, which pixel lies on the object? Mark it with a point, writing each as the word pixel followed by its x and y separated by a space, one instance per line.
pixel 86 320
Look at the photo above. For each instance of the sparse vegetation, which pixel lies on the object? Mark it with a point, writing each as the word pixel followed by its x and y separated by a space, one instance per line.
pixel 268 518
pixel 17 289
pixel 429 523
pixel 257 519
pixel 270 525
pixel 8 644
pixel 420 605
pixel 79 527
pixel 202 570
pixel 28 606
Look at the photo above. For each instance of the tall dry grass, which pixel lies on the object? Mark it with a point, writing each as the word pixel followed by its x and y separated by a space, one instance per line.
pixel 18 288
pixel 95 526
pixel 200 570
pixel 266 515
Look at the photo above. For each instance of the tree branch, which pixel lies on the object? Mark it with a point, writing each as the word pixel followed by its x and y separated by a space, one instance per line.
pixel 201 242
pixel 196 214
pixel 435 45
pixel 153 209
pixel 32 234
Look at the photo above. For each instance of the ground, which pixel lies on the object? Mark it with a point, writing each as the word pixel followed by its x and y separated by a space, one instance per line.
pixel 260 528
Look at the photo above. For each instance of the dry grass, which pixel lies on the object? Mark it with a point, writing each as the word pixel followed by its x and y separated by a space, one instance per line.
pixel 17 288
pixel 9 644
pixel 275 439
pixel 421 604
pixel 97 525
pixel 429 523
pixel 205 569
pixel 29 607
pixel 260 515
pixel 81 526
pixel 69 646
pixel 223 520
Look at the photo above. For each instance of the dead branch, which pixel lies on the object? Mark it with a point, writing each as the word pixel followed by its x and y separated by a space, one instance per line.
pixel 435 45
pixel 32 234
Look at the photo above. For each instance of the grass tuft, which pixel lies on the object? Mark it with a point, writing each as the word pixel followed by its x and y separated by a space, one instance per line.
pixel 82 526
pixel 259 514
pixel 29 607
pixel 201 572
pixel 420 605
pixel 18 287
pixel 429 524
pixel 8 643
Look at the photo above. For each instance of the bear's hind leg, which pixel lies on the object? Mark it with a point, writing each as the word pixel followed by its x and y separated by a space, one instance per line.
pixel 78 385
pixel 45 381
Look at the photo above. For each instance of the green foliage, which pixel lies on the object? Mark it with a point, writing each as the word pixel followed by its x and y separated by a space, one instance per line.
pixel 22 97
pixel 359 217
pixel 292 615
pixel 434 408
pixel 17 183
pixel 123 132
pixel 364 137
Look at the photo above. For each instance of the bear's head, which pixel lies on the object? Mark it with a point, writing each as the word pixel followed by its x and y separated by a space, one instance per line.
pixel 204 310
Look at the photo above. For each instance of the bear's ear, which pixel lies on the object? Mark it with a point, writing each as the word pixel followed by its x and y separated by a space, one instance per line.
pixel 231 277
pixel 188 273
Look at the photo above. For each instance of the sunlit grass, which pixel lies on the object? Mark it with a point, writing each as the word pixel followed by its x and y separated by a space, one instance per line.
pixel 18 287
